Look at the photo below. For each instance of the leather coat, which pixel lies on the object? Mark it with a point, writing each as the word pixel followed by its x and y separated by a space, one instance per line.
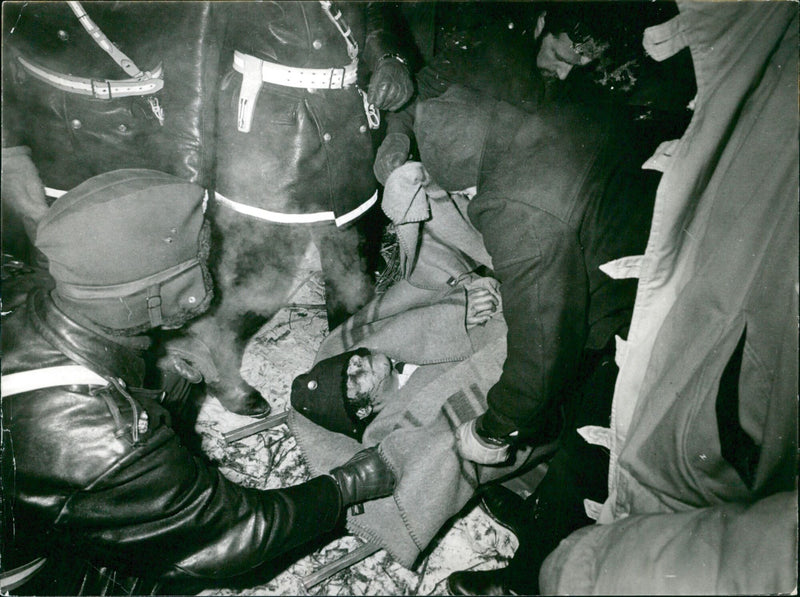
pixel 74 478
pixel 308 150
pixel 74 137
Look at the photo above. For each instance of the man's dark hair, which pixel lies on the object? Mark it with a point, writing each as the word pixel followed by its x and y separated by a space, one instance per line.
pixel 610 33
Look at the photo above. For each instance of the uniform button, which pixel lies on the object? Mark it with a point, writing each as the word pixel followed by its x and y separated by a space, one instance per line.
pixel 363 128
pixel 326 137
pixel 63 35
pixel 317 44
pixel 76 124
pixel 122 128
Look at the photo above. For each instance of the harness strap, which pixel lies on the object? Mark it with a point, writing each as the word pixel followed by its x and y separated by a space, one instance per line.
pixel 117 56
pixel 373 116
pixel 101 40
pixel 342 26
pixel 11 579
pixel 49 377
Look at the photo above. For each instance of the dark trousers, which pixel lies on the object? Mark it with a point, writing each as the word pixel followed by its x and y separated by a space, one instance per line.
pixel 578 471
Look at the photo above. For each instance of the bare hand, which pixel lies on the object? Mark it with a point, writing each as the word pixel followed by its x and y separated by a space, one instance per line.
pixel 483 301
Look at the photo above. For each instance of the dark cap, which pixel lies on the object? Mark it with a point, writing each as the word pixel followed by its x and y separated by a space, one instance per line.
pixel 321 396
pixel 124 248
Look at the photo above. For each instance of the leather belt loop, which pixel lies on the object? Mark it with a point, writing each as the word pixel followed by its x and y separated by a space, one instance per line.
pixel 248 93
pixel 99 93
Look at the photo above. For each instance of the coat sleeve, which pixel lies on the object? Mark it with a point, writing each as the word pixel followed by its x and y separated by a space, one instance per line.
pixel 745 549
pixel 538 261
pixel 382 37
pixel 168 512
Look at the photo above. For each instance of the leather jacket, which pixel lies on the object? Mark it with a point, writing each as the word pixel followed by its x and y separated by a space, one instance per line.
pixel 75 479
pixel 308 150
pixel 74 137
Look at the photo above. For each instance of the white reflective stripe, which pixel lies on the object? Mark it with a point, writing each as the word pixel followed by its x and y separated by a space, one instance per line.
pixel 54 193
pixel 661 158
pixel 621 351
pixel 284 218
pixel 352 215
pixel 596 435
pixel 11 579
pixel 592 508
pixel 624 267
pixel 49 377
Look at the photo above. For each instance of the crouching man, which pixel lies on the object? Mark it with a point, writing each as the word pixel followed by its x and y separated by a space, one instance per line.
pixel 98 487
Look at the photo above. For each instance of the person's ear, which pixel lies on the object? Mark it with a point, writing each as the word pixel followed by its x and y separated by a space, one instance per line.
pixel 539 24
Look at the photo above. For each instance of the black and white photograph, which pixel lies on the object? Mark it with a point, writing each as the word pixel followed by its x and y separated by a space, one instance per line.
pixel 399 298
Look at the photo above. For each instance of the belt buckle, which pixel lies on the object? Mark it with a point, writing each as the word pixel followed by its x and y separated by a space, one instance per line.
pixel 97 93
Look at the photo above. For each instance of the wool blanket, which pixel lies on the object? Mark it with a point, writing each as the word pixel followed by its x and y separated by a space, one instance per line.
pixel 420 320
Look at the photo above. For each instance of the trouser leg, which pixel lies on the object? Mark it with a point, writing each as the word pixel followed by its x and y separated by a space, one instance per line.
pixel 577 472
pixel 346 260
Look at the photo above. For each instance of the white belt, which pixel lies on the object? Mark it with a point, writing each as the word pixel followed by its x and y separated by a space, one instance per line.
pixel 98 88
pixel 256 71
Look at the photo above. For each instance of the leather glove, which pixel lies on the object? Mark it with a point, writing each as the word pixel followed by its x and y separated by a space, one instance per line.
pixel 364 477
pixel 482 450
pixel 392 154
pixel 22 189
pixel 390 86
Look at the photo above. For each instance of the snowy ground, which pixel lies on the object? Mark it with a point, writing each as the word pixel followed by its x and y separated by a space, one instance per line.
pixel 282 349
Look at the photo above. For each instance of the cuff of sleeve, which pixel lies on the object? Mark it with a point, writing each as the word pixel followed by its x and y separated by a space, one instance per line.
pixel 327 502
pixel 495 425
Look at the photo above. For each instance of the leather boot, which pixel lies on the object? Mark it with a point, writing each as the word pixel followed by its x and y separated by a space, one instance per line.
pixel 503 506
pixel 479 582
pixel 364 477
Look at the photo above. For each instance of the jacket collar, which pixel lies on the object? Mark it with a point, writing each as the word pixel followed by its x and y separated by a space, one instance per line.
pixel 83 345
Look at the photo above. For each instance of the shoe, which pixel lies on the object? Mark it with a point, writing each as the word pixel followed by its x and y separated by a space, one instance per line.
pixel 478 582
pixel 364 477
pixel 503 506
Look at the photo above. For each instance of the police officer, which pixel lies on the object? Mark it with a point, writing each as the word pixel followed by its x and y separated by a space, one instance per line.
pixel 98 488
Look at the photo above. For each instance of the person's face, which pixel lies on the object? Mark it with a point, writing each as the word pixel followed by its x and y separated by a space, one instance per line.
pixel 557 56
pixel 368 374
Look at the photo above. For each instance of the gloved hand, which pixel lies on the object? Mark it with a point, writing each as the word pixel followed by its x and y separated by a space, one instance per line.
pixel 390 85
pixel 392 154
pixel 482 450
pixel 22 189
pixel 364 477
